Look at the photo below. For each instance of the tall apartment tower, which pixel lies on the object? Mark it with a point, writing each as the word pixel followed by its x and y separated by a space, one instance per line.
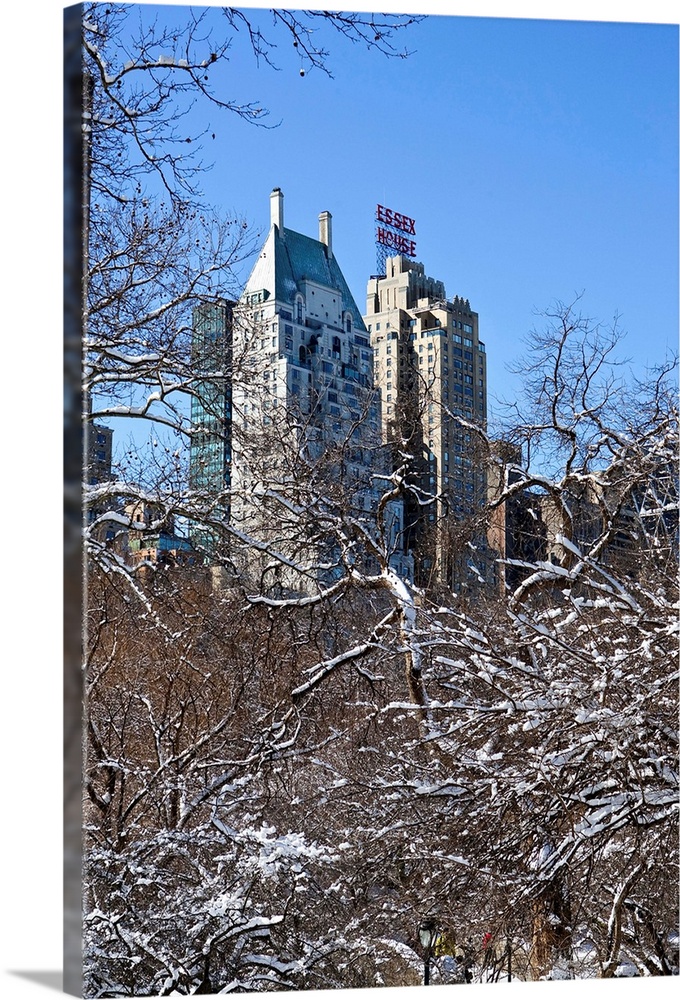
pixel 302 384
pixel 210 453
pixel 97 460
pixel 211 416
pixel 431 368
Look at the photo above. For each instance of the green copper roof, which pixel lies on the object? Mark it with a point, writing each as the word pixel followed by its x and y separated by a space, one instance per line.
pixel 297 258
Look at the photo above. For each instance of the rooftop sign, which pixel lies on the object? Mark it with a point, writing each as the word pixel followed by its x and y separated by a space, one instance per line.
pixel 395 230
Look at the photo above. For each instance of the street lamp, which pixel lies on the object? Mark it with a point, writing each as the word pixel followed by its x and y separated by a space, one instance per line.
pixel 427 932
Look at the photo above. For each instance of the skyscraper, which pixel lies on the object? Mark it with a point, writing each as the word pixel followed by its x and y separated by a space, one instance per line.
pixel 431 367
pixel 211 423
pixel 302 398
pixel 299 330
pixel 210 454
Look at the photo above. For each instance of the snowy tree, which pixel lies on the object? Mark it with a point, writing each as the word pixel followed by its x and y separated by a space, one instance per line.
pixel 553 711
pixel 505 764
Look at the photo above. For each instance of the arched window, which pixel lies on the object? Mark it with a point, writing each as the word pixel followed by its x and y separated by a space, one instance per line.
pixel 303 354
pixel 348 322
pixel 298 310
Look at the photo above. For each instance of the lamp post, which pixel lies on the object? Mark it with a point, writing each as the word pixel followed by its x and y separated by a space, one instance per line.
pixel 427 932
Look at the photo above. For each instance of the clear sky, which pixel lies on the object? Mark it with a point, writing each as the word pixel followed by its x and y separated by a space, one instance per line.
pixel 538 158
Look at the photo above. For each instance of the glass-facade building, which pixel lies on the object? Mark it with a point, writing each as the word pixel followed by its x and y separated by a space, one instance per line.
pixel 211 412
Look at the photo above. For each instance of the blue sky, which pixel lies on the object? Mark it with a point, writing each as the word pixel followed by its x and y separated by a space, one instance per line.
pixel 539 159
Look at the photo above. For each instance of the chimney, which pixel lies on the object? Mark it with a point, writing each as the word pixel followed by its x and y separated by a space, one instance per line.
pixel 276 206
pixel 325 232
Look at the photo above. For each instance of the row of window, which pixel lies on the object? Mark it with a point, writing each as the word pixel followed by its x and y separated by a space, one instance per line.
pixel 458 352
pixel 437 330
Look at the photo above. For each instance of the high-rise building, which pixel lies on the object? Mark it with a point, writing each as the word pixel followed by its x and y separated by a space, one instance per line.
pixel 99 454
pixel 211 423
pixel 210 454
pixel 431 368
pixel 98 457
pixel 302 396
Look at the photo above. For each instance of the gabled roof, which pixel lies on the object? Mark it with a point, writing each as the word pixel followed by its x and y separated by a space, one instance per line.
pixel 284 263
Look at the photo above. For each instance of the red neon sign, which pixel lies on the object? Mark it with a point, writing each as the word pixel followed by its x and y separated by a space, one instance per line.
pixel 396 240
pixel 396 220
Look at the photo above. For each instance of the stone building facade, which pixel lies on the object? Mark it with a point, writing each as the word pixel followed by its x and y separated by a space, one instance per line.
pixel 431 367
